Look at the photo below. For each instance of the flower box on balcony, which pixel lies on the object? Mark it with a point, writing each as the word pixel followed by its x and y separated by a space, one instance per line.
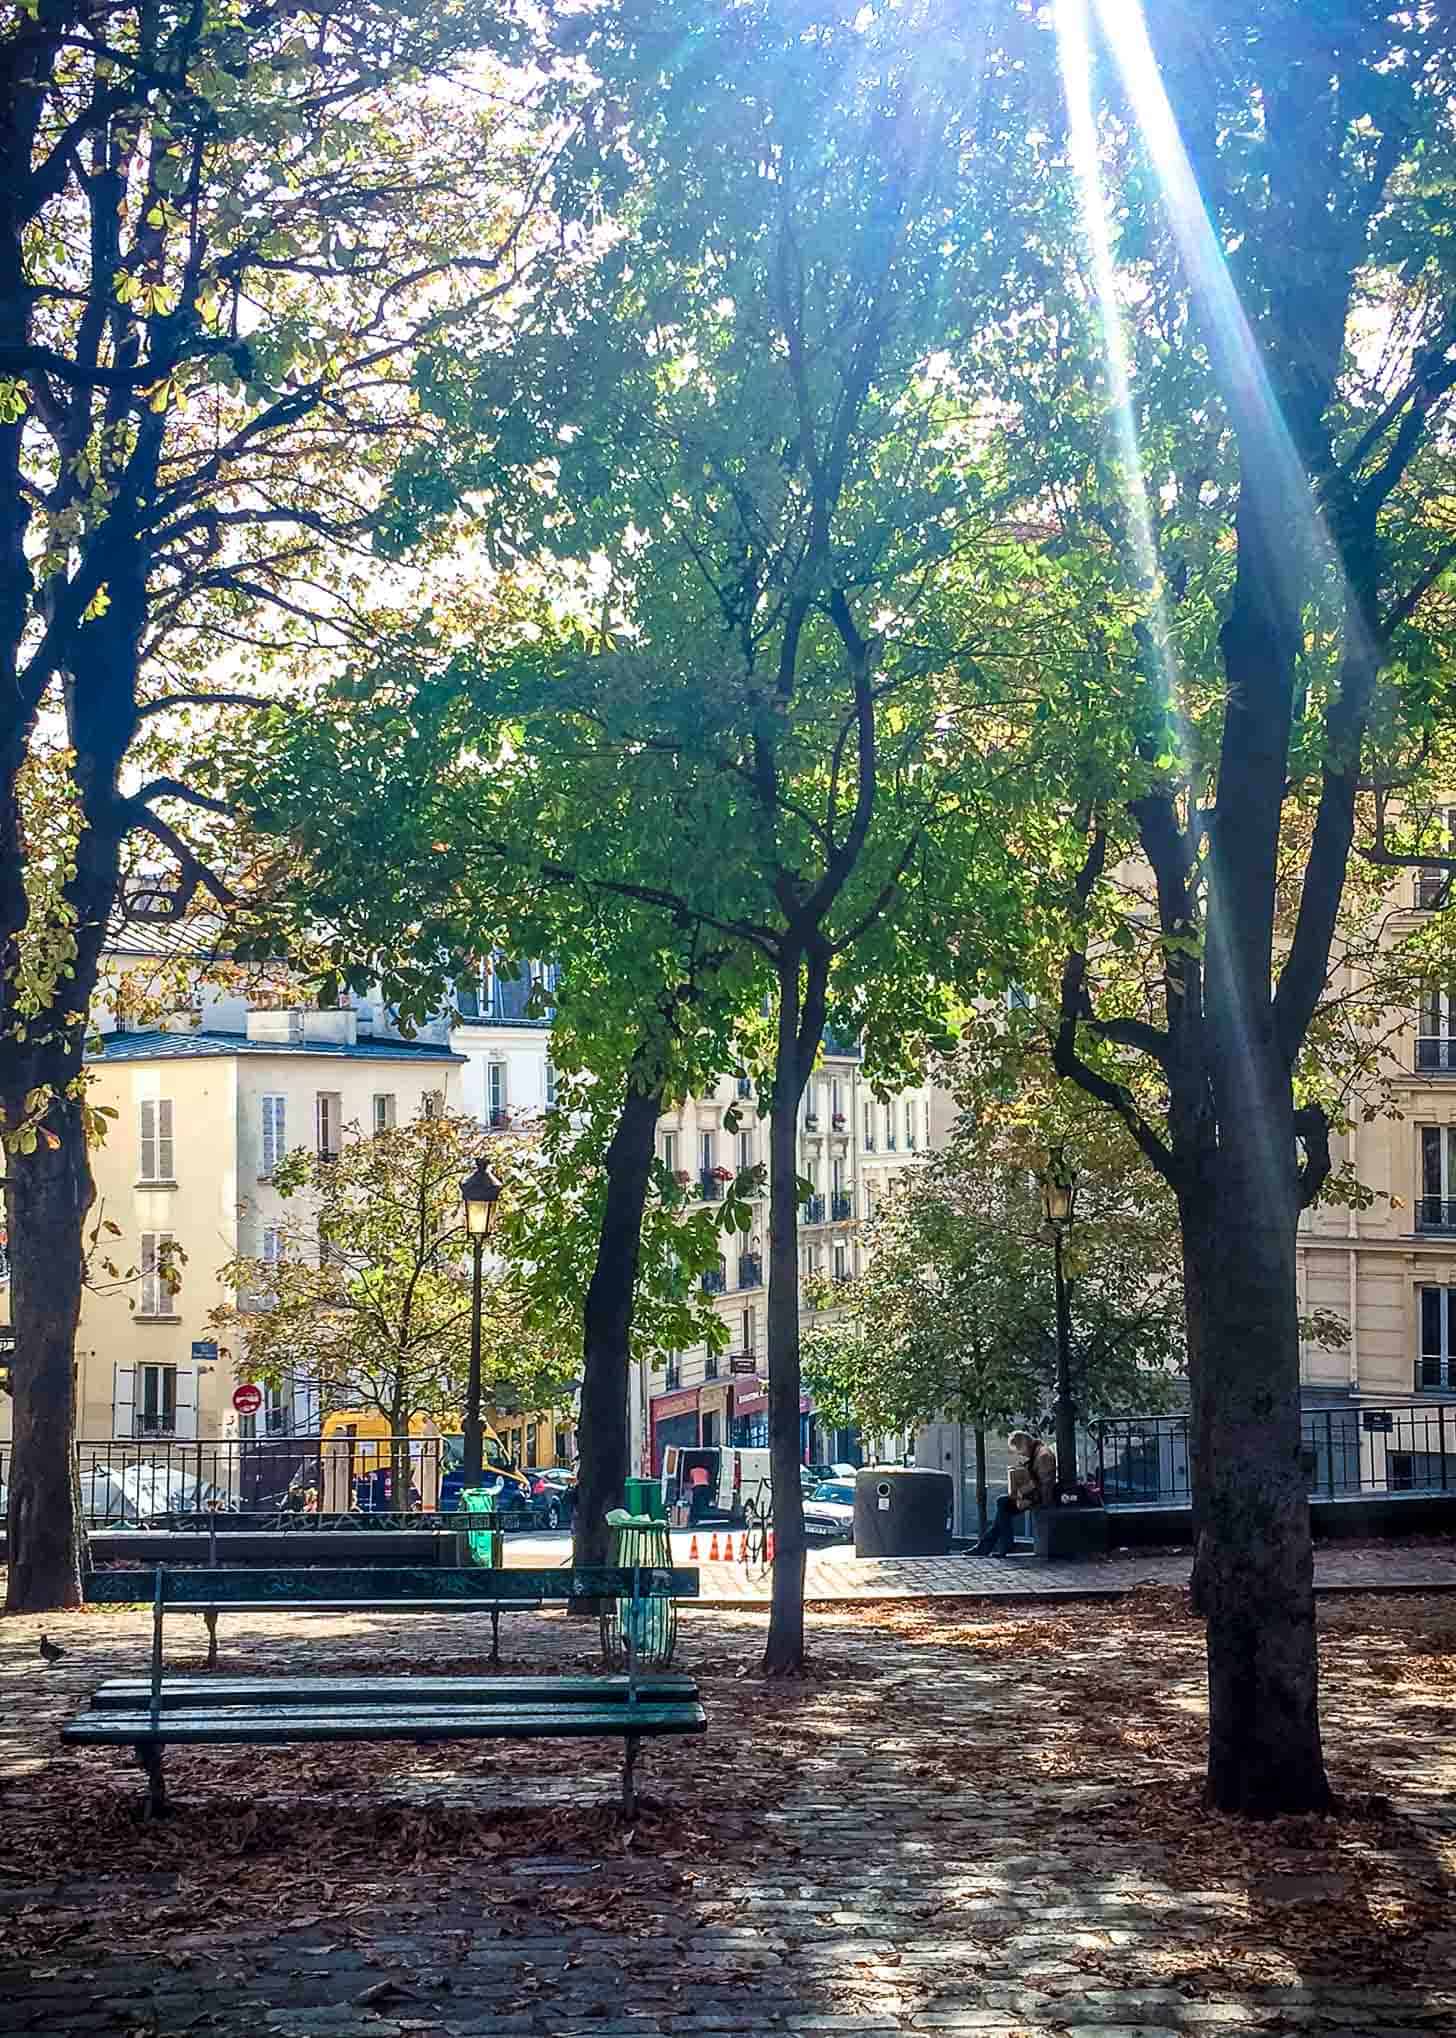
pixel 811 1121
pixel 838 1121
pixel 721 1174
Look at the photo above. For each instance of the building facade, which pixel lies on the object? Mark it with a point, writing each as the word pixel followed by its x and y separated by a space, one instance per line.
pixel 184 1174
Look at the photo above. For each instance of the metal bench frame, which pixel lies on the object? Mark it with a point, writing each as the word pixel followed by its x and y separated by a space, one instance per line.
pixel 454 1590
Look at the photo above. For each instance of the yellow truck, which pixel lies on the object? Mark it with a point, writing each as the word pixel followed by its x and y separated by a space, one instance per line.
pixel 360 1459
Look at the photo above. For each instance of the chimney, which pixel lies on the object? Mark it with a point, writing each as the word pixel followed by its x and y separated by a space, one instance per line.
pixel 278 1029
pixel 334 1029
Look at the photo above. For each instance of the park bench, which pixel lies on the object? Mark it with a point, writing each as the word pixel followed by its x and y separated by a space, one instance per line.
pixel 151 1715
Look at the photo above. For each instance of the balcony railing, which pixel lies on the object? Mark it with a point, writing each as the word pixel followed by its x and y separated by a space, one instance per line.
pixel 710 1366
pixel 814 1210
pixel 715 1281
pixel 811 1121
pixel 674 1375
pixel 711 1185
pixel 499 1119
pixel 1435 1213
pixel 1435 1052
pixel 744 1086
pixel 841 1205
pixel 750 1272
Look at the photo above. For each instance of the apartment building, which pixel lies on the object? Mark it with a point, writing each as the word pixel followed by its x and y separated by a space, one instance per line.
pixel 1390 1270
pixel 851 1145
pixel 202 1116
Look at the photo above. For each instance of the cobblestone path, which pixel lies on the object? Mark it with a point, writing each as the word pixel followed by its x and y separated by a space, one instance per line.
pixel 970 1820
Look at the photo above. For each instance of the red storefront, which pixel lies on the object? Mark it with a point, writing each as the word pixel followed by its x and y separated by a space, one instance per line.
pixel 674 1421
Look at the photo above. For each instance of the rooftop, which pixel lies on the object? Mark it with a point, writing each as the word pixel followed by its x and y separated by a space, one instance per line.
pixel 156 1045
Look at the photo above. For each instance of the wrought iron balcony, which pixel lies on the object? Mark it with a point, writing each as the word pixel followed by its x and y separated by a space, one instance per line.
pixel 715 1281
pixel 710 1366
pixel 814 1210
pixel 711 1185
pixel 1436 1213
pixel 841 1205
pixel 750 1271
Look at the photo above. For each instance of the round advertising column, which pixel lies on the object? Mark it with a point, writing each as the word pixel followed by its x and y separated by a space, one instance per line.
pixel 900 1511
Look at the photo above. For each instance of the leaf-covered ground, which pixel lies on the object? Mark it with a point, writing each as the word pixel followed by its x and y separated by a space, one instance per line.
pixel 964 1820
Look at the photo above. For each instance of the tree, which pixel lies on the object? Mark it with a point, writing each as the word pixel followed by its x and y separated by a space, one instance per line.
pixel 1243 438
pixel 954 1315
pixel 748 506
pixel 370 1294
pixel 224 234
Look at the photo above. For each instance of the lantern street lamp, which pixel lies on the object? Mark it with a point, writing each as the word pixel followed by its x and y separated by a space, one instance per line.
pixel 480 1193
pixel 1058 1201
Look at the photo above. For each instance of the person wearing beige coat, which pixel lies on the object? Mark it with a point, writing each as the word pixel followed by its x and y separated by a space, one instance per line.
pixel 1031 1481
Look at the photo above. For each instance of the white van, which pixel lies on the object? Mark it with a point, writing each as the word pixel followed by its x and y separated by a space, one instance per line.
pixel 731 1485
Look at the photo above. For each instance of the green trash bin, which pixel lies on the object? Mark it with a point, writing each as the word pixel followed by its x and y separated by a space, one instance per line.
pixel 644 1497
pixel 479 1542
pixel 652 1623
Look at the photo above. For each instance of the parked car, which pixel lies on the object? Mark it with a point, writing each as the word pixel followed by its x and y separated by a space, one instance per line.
pixel 553 1495
pixel 829 1512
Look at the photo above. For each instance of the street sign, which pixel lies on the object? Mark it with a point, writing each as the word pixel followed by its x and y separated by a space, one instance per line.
pixel 1378 1420
pixel 204 1352
pixel 248 1398
pixel 742 1362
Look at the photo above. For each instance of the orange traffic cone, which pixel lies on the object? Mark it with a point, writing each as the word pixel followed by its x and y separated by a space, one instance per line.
pixel 769 1548
pixel 713 1548
pixel 693 1551
pixel 743 1549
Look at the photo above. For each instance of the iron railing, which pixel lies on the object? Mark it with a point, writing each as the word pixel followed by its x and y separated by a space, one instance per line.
pixel 710 1182
pixel 750 1271
pixel 814 1210
pixel 841 1205
pixel 1435 1213
pixel 1144 1461
pixel 715 1281
pixel 280 1481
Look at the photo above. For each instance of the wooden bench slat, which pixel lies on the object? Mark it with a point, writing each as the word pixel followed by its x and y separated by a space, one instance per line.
pixel 200 1587
pixel 255 1725
pixel 134 1693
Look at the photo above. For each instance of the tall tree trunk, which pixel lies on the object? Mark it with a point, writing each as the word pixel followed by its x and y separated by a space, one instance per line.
pixel 1253 1564
pixel 602 1431
pixel 799 1033
pixel 48 1193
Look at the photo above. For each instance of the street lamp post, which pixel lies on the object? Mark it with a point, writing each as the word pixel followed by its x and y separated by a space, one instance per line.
pixel 479 1192
pixel 1059 1196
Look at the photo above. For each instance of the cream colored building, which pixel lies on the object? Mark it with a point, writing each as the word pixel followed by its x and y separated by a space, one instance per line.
pixel 1390 1270
pixel 202 1114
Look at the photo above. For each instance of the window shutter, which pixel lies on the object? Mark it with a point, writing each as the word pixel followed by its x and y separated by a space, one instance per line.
pixel 123 1401
pixel 149 1142
pixel 151 1286
pixel 184 1412
pixel 166 1171
pixel 273 1133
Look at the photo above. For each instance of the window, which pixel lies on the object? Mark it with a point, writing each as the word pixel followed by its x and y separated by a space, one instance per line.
pixel 1436 1036
pixel 561 1446
pixel 750 1329
pixel 910 1124
pixel 274 1120
pixel 841 1263
pixel 890 1139
pixel 1437 1365
pixel 495 1092
pixel 925 1121
pixel 1437 1209
pixel 156 1414
pixel 328 1112
pixel 433 1105
pixel 157 1159
pixel 745 1151
pixel 530 1446
pixel 550 1085
pixel 1018 999
pixel 836 1101
pixel 1433 886
pixel 869 1128
pixel 837 1180
pixel 158 1296
pixel 384 1113
pixel 669 1152
pixel 705 1152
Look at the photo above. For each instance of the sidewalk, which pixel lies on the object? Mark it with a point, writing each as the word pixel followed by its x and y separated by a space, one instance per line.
pixel 835 1576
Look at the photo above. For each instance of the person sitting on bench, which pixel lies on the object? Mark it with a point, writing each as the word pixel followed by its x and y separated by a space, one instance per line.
pixel 1031 1482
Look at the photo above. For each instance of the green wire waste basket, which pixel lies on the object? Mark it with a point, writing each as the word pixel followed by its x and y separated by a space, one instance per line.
pixel 638 1540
